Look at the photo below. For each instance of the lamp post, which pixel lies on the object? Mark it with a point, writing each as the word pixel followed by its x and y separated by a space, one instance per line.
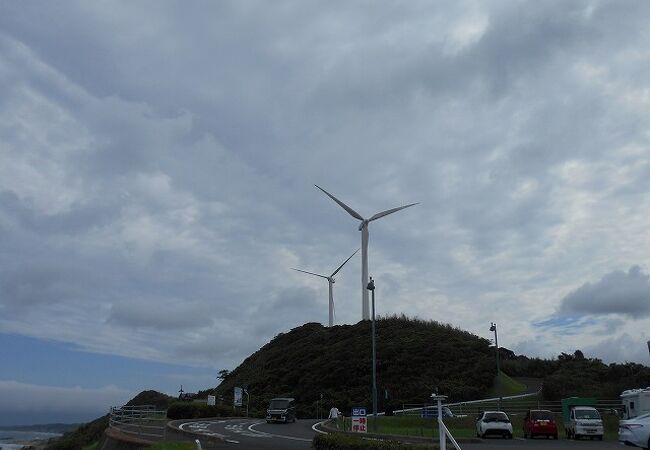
pixel 371 288
pixel 248 398
pixel 493 327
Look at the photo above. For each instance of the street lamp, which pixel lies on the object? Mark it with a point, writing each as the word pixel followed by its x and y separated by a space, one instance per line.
pixel 493 327
pixel 248 398
pixel 371 288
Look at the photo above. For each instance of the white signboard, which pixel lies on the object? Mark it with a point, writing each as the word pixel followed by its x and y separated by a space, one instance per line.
pixel 237 396
pixel 359 420
pixel 212 400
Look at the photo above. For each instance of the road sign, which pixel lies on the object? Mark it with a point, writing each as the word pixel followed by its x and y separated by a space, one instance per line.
pixel 212 400
pixel 237 396
pixel 359 420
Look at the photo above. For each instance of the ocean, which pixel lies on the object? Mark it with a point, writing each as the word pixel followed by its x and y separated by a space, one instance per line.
pixel 12 440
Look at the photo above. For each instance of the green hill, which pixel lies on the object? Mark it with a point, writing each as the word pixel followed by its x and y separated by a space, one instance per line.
pixel 414 358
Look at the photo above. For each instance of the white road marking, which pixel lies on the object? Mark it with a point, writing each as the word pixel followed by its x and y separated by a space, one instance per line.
pixel 292 438
pixel 313 427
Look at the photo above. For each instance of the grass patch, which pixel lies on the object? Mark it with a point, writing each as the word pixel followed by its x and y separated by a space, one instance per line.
pixel 460 427
pixel 90 447
pixel 504 386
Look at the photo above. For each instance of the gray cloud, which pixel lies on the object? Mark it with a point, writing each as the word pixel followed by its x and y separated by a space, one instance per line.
pixel 160 178
pixel 617 292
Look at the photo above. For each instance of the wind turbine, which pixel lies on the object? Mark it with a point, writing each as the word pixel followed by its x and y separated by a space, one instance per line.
pixel 330 281
pixel 363 227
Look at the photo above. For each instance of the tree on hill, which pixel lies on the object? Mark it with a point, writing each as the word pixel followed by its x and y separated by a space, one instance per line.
pixel 413 356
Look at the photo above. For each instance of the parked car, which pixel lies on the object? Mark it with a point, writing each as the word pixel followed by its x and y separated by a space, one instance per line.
pixel 493 422
pixel 431 412
pixel 635 431
pixel 540 422
pixel 281 409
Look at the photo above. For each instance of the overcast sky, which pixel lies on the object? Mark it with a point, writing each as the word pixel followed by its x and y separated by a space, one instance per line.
pixel 158 162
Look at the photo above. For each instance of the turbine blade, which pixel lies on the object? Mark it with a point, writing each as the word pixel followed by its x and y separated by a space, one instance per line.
pixel 311 273
pixel 350 211
pixel 337 270
pixel 390 211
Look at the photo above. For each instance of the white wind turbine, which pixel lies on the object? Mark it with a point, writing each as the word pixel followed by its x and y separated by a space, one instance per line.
pixel 363 227
pixel 330 281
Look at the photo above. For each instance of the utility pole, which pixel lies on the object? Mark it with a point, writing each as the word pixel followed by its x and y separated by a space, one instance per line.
pixel 493 327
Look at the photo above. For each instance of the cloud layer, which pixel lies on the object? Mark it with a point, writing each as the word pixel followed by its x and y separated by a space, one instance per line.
pixel 158 163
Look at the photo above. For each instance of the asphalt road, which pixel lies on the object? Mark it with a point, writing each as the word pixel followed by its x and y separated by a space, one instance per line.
pixel 245 434
pixel 539 444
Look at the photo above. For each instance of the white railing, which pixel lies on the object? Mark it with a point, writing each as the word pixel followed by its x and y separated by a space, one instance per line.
pixel 512 405
pixel 447 433
pixel 143 421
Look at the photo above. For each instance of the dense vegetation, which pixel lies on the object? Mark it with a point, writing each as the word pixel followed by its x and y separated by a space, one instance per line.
pixel 413 359
pixel 196 410
pixel 575 375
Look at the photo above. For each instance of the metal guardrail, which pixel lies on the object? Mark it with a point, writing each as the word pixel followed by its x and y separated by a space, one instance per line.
pixel 143 421
pixel 509 405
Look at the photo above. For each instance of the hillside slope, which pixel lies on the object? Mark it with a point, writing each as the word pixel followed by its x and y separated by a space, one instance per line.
pixel 413 358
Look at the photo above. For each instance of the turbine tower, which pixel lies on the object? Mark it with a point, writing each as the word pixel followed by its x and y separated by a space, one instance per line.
pixel 330 281
pixel 363 227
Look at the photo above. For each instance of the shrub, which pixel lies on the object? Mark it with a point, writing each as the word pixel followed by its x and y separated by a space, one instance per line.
pixel 339 441
pixel 185 410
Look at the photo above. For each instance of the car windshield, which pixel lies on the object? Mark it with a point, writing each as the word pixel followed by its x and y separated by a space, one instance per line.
pixel 541 415
pixel 495 417
pixel 587 414
pixel 279 404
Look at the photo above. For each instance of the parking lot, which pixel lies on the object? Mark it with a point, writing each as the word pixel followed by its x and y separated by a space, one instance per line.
pixel 561 444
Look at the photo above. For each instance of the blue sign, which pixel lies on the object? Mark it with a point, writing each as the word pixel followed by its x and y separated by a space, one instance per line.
pixel 358 412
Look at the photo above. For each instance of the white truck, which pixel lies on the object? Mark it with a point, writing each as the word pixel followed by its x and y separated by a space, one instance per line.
pixel 581 418
pixel 635 402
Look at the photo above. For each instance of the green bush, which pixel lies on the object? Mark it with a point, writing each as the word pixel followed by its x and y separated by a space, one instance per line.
pixel 190 410
pixel 338 441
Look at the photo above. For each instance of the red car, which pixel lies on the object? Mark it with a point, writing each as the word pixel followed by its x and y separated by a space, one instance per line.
pixel 540 422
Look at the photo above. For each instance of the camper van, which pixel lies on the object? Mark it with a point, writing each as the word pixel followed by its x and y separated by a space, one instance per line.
pixel 635 402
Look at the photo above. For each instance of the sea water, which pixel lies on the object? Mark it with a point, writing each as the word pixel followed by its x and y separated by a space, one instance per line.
pixel 12 440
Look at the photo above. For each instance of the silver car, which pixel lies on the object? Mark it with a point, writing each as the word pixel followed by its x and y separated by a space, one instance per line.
pixel 635 431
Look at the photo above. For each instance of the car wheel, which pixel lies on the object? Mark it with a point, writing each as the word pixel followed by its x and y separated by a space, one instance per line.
pixel 525 435
pixel 600 438
pixel 555 436
pixel 509 436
